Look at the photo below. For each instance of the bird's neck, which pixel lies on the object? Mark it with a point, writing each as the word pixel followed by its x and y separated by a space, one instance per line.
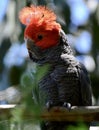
pixel 53 55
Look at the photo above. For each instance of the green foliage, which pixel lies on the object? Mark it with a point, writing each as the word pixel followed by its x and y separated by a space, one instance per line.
pixel 41 71
pixel 4 125
pixel 31 102
pixel 23 116
pixel 29 87
pixel 80 126
pixel 30 81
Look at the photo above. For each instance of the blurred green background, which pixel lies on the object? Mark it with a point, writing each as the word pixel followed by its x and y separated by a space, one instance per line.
pixel 80 21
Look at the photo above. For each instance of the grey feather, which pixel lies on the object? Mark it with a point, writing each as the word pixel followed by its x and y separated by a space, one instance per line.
pixel 66 81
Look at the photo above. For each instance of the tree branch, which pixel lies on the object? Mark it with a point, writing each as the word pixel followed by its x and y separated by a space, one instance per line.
pixel 87 114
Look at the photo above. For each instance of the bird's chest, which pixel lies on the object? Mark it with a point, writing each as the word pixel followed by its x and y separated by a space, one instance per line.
pixel 67 79
pixel 61 84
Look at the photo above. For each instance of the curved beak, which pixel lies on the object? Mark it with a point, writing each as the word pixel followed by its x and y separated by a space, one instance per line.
pixel 33 50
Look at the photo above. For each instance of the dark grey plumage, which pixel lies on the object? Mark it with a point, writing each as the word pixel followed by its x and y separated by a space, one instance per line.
pixel 66 81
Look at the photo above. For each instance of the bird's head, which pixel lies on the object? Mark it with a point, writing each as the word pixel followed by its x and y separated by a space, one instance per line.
pixel 41 26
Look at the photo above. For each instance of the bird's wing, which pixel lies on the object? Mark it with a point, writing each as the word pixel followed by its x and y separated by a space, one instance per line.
pixel 85 86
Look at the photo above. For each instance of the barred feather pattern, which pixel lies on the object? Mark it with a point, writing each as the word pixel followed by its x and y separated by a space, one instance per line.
pixel 66 81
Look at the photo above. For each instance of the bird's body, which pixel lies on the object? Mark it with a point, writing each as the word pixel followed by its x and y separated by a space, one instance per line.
pixel 67 80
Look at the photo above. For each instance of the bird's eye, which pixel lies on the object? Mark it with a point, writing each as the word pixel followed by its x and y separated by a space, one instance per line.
pixel 40 37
